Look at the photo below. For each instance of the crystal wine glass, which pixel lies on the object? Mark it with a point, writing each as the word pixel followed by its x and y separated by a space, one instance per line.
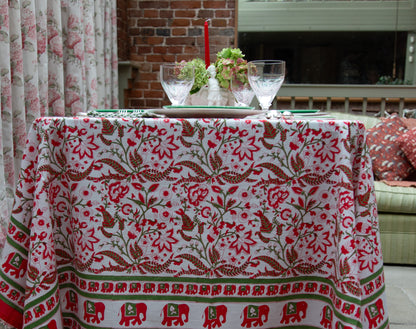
pixel 241 89
pixel 266 78
pixel 177 81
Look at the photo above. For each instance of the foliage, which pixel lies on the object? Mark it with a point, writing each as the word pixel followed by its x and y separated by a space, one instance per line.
pixel 388 80
pixel 230 61
pixel 201 74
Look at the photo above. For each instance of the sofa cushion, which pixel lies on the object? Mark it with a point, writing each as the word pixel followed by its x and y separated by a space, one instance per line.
pixel 395 199
pixel 410 123
pixel 389 160
pixel 407 143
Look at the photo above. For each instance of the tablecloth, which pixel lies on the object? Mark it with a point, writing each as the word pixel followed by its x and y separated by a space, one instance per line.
pixel 196 223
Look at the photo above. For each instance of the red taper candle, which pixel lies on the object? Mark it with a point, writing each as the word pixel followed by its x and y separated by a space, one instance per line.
pixel 207 61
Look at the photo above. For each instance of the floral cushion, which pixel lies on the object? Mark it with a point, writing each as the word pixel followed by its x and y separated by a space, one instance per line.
pixel 407 142
pixel 389 160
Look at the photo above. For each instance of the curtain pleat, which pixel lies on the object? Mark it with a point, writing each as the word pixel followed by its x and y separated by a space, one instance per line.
pixel 57 58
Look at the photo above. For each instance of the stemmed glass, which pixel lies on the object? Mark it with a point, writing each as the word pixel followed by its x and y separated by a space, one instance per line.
pixel 177 81
pixel 266 78
pixel 241 89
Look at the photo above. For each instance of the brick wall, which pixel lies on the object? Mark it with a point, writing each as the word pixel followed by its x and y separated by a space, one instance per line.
pixel 122 31
pixel 168 31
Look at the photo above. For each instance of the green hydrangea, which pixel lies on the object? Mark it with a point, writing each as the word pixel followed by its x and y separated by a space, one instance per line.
pixel 201 74
pixel 230 61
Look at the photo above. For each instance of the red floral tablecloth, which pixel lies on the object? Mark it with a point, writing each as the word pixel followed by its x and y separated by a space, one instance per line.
pixel 198 223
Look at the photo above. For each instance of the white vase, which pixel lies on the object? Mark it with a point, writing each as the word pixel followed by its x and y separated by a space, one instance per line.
pixel 225 98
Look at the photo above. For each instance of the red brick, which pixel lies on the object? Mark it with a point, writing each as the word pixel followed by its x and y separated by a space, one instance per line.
pixel 160 50
pixel 219 23
pixel 180 41
pixel 148 76
pixel 153 93
pixel 151 13
pixel 199 22
pixel 185 57
pixel 160 58
pixel 223 13
pixel 144 49
pixel 153 22
pixel 166 13
pixel 179 31
pixel 191 50
pixel 154 4
pixel 185 13
pixel 175 49
pixel 189 4
pixel 136 93
pixel 155 40
pixel 206 14
pixel 215 4
pixel 181 22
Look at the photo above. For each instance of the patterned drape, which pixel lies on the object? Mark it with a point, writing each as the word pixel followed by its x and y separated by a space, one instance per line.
pixel 56 58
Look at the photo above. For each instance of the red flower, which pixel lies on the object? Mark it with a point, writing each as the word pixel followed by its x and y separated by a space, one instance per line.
pixel 117 191
pixel 196 194
pixel 275 197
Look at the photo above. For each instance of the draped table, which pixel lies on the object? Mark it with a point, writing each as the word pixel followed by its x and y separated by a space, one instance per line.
pixel 194 223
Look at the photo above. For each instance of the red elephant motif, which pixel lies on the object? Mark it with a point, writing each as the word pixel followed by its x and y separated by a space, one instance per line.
pixel 324 289
pixel 71 300
pixel 216 290
pixel 375 313
pixel 28 317
pixel 229 289
pixel 369 288
pixel 258 290
pixel 93 286
pixel 149 287
pixel 204 290
pixel 4 286
pixel 311 287
pixel 255 315
pixel 163 288
pixel 133 312
pixel 107 287
pixel 121 287
pixel 177 288
pixel 348 308
pixel 134 287
pixel 297 287
pixel 50 303
pixel 327 315
pixel 63 278
pixel 92 310
pixel 191 289
pixel 20 236
pixel 39 310
pixel 285 288
pixel 16 264
pixel 379 281
pixel 175 314
pixel 83 284
pixel 215 316
pixel 294 311
pixel 14 294
pixel 244 290
pixel 272 290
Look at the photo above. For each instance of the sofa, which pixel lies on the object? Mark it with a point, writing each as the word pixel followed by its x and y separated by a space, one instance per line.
pixel 392 146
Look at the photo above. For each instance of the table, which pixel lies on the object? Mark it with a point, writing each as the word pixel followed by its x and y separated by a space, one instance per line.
pixel 194 223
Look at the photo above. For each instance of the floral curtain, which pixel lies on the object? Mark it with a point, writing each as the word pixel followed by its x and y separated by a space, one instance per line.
pixel 57 58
